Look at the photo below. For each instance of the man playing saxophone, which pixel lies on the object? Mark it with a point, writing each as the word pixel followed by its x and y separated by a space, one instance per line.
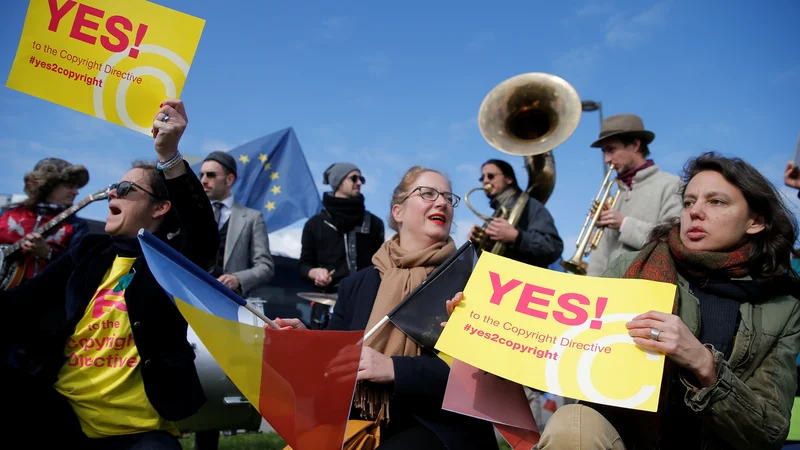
pixel 534 240
pixel 648 195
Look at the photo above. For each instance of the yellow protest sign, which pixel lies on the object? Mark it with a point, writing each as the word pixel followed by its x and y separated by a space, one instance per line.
pixel 116 61
pixel 557 332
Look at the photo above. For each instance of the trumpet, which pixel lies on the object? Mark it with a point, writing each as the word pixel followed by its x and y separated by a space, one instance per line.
pixel 590 235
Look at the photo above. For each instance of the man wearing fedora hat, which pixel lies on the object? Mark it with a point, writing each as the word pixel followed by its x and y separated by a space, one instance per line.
pixel 51 187
pixel 649 195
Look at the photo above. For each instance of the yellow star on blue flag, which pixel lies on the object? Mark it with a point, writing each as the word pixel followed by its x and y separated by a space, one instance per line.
pixel 279 184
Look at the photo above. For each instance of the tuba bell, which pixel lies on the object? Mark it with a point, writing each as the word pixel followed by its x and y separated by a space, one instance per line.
pixel 527 115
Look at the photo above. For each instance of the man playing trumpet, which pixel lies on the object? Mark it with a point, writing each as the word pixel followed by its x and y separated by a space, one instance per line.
pixel 649 195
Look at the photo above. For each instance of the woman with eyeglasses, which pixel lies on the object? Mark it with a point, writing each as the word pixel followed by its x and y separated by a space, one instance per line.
pixel 401 384
pixel 101 349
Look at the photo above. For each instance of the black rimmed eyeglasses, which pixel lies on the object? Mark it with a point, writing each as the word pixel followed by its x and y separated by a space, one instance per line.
pixel 430 194
pixel 124 187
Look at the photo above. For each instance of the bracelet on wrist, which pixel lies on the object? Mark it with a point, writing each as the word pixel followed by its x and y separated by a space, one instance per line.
pixel 170 163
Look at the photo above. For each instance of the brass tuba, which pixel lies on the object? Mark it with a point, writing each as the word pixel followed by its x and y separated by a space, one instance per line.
pixel 526 115
pixel 590 235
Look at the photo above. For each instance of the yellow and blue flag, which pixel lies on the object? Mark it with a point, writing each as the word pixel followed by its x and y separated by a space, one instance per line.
pixel 274 178
pixel 302 382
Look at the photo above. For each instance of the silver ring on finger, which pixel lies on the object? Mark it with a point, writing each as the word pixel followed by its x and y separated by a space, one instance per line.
pixel 165 118
pixel 654 334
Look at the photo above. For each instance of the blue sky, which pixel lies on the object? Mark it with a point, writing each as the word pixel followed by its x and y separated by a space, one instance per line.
pixel 392 86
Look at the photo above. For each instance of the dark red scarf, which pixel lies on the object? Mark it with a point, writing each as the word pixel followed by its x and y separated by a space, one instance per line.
pixel 627 177
pixel 661 261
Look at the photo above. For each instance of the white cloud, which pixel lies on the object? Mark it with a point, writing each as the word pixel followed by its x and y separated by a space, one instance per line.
pixel 286 242
pixel 578 63
pixel 630 33
pixel 212 145
pixel 655 15
pixel 594 8
pixel 620 34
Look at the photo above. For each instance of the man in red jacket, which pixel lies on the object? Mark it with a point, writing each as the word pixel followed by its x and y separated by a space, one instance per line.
pixel 51 188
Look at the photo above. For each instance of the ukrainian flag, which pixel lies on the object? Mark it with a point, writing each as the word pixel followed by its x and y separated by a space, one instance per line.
pixel 302 382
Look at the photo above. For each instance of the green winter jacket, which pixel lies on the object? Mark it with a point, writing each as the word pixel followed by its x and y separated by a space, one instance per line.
pixel 750 404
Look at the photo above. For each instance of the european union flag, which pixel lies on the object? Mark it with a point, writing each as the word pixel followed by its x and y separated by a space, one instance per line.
pixel 274 178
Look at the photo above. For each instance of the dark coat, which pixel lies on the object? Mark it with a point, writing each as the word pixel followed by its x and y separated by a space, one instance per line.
pixel 324 247
pixel 54 302
pixel 420 381
pixel 538 243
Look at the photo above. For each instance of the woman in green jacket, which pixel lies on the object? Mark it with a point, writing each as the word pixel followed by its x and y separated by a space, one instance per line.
pixel 734 334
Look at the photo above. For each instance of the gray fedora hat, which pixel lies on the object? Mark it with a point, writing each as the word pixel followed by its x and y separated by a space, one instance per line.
pixel 624 125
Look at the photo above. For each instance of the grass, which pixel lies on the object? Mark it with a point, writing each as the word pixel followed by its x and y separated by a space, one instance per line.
pixel 250 441
pixel 259 441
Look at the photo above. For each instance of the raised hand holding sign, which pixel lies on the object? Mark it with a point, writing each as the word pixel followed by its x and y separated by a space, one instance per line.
pixel 112 60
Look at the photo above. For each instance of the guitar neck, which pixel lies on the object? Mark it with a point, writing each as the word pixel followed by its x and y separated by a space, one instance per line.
pixel 55 221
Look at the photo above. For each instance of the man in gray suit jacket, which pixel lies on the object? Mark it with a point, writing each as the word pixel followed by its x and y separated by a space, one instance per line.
pixel 244 263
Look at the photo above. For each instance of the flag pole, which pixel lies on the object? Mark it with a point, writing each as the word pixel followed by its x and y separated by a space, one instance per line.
pixel 375 328
pixel 260 315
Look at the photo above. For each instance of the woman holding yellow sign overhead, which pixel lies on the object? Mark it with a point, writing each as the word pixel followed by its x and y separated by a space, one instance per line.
pixel 401 385
pixel 734 334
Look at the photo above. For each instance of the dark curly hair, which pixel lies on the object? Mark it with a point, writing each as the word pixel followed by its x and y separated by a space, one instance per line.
pixel 774 246
pixel 49 173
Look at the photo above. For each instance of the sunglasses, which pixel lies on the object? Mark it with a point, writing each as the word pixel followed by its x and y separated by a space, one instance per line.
pixel 124 187
pixel 209 175
pixel 488 176
pixel 430 194
pixel 355 178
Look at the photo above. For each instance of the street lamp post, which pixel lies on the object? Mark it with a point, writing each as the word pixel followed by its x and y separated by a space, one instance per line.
pixel 589 106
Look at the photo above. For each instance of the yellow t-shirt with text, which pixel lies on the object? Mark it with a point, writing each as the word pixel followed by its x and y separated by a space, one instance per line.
pixel 101 379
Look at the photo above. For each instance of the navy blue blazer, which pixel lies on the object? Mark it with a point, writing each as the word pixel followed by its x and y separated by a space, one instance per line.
pixel 420 381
